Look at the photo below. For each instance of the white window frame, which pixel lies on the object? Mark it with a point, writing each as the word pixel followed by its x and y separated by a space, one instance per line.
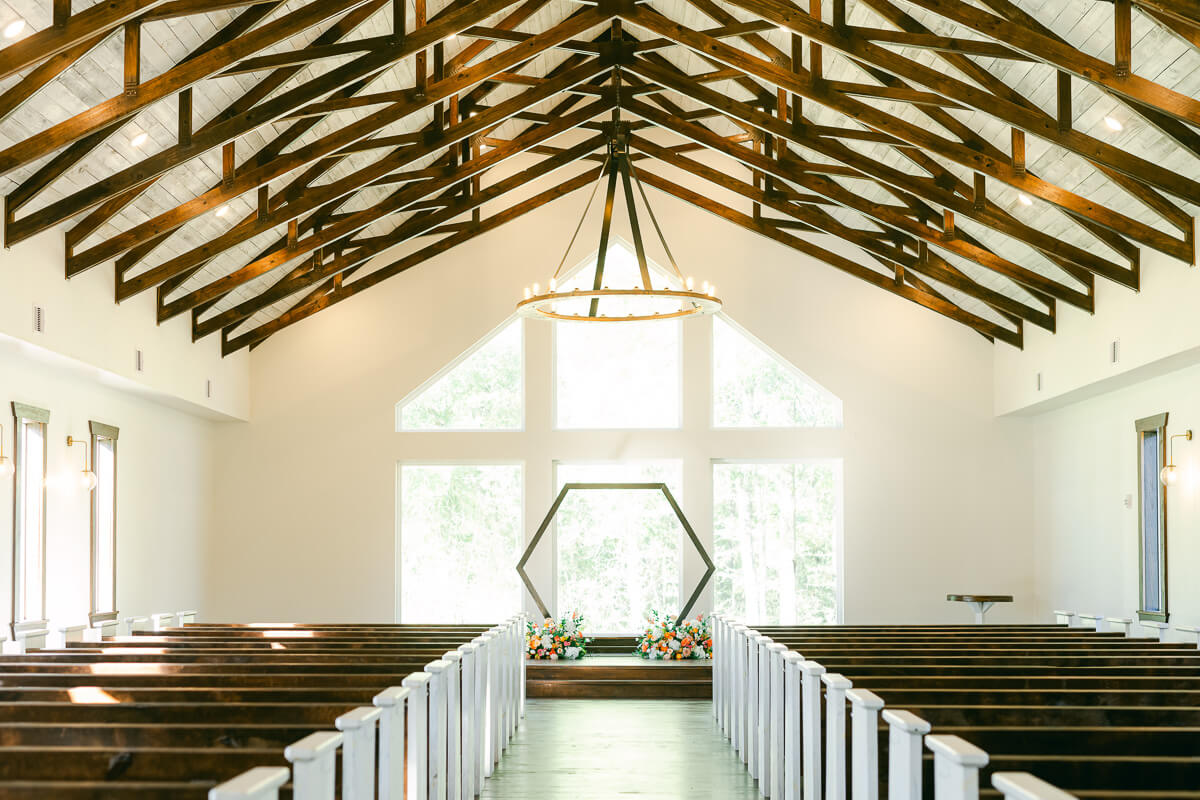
pixel 100 431
pixel 839 526
pixel 23 416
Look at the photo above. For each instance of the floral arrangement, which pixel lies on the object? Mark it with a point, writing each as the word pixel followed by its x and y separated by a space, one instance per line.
pixel 666 641
pixel 555 639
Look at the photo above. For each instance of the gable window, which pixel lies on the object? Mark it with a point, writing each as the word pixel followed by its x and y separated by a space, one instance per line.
pixel 1152 518
pixel 753 386
pixel 482 390
pixel 29 514
pixel 617 375
pixel 104 518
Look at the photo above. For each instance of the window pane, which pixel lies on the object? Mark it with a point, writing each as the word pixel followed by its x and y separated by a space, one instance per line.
pixel 773 529
pixel 105 531
pixel 619 551
pixel 460 540
pixel 33 472
pixel 617 374
pixel 1151 535
pixel 483 391
pixel 753 387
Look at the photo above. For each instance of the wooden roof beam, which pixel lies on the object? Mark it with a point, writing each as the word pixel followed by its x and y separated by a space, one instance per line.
pixel 920 136
pixel 395 203
pixel 346 290
pixel 842 263
pixel 967 94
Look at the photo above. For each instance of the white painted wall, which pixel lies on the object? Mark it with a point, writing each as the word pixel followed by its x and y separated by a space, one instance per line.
pixel 82 368
pixel 1085 466
pixel 164 487
pixel 937 490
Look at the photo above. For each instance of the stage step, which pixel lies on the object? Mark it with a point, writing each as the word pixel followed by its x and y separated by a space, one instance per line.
pixel 619 677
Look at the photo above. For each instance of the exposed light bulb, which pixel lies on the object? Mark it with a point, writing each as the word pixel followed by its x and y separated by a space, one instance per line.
pixel 140 139
pixel 690 283
pixel 6 467
pixel 14 29
pixel 537 289
pixel 712 290
pixel 223 210
pixel 704 287
pixel 87 480
pixel 1113 123
pixel 1024 199
pixel 528 294
pixel 554 284
pixel 1169 475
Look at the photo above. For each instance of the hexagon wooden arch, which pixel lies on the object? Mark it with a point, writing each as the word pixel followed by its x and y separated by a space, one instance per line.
pixel 710 568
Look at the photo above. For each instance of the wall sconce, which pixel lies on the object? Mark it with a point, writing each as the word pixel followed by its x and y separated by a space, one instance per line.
pixel 6 466
pixel 87 478
pixel 1170 473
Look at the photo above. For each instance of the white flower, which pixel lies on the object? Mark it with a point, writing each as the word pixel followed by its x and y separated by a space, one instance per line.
pixel 656 633
pixel 572 652
pixel 699 653
pixel 674 644
pixel 546 642
pixel 554 656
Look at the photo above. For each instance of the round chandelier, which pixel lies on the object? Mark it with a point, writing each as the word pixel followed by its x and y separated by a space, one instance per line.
pixel 677 297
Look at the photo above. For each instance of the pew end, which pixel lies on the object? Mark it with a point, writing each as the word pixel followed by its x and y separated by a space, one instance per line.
pixel 314 765
pixel 1124 622
pixel 1024 786
pixel 28 636
pixel 1192 629
pixel 906 735
pixel 1161 627
pixel 1065 618
pixel 101 625
pixel 956 765
pixel 260 783
pixel 162 621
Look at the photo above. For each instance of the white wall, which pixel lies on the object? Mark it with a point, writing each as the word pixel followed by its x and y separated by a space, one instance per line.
pixel 1086 466
pixel 164 487
pixel 82 368
pixel 937 490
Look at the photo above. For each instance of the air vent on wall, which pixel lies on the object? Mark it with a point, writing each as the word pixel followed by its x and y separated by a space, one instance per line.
pixel 1115 351
pixel 39 319
pixel 1039 381
pixel 208 388
pixel 138 362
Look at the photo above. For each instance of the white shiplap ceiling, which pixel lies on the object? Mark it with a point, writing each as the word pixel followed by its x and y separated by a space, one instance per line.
pixel 1158 55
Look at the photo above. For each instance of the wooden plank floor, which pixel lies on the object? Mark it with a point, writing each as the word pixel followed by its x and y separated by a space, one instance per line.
pixel 593 749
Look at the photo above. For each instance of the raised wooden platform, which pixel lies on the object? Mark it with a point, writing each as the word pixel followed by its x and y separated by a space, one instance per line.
pixel 619 676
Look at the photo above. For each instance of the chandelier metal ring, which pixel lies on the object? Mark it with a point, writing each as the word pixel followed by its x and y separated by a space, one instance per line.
pixel 674 303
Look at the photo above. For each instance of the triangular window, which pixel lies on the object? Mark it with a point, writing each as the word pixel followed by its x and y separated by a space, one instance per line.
pixel 481 390
pixel 755 387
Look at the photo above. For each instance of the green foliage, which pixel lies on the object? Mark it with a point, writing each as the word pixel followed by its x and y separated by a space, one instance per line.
pixel 619 551
pixel 753 387
pixel 460 537
pixel 482 392
pixel 773 531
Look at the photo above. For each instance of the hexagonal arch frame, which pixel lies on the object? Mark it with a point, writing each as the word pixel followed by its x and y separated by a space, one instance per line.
pixel 710 568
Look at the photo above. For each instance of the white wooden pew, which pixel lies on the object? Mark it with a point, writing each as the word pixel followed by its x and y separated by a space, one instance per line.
pixel 314 765
pixel 393 703
pixel 260 783
pixel 1024 786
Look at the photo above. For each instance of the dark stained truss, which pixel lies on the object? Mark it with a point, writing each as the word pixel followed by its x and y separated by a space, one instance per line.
pixel 318 148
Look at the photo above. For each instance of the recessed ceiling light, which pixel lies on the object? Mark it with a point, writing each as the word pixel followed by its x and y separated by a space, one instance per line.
pixel 140 139
pixel 1024 200
pixel 1113 123
pixel 14 29
pixel 223 210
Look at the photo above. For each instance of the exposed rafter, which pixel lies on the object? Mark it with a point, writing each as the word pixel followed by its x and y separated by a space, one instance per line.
pixel 357 126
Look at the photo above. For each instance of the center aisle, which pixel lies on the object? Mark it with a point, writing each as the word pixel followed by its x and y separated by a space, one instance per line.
pixel 593 749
